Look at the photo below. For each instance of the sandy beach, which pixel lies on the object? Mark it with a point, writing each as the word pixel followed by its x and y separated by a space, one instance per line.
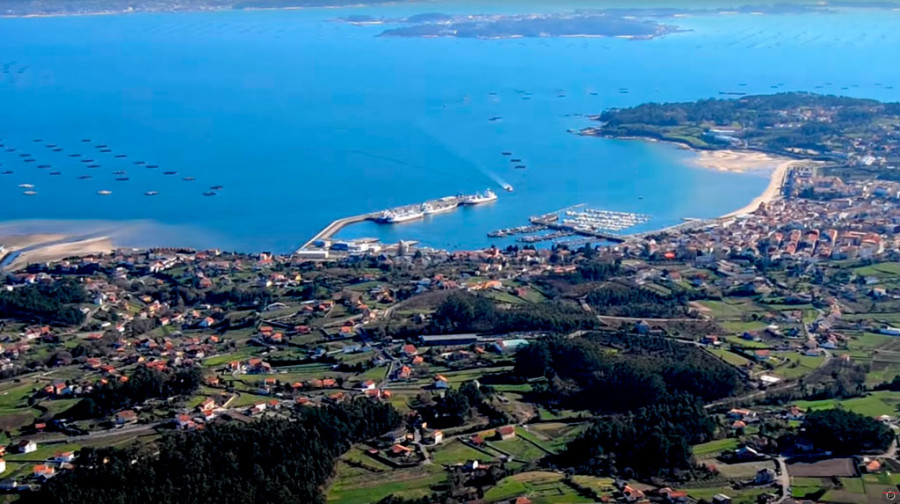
pixel 748 162
pixel 37 248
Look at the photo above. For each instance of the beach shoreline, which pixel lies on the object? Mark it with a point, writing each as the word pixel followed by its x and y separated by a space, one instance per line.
pixel 745 162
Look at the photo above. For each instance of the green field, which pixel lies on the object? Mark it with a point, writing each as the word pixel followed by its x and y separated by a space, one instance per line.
pixel 351 487
pixel 729 357
pixel 875 404
pixel 745 496
pixel 715 447
pixel 455 452
pixel 883 270
pixel 519 448
pixel 540 487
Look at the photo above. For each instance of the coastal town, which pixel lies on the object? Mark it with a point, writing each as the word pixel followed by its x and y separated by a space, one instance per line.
pixel 766 340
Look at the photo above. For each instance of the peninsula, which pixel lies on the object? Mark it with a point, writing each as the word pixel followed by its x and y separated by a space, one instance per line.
pixel 797 125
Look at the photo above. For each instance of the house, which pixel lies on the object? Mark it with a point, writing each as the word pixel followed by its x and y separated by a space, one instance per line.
pixel 43 471
pixel 437 436
pixel 632 494
pixel 761 355
pixel 410 350
pixel 440 382
pixel 399 450
pixel 873 466
pixel 740 414
pixel 721 499
pixel 746 453
pixel 506 432
pixel 26 446
pixel 126 417
pixel 764 476
pixel 368 385
pixel 63 458
pixel 674 496
pixel 710 339
pixel 521 500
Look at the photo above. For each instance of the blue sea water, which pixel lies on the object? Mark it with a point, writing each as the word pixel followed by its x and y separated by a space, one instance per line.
pixel 304 120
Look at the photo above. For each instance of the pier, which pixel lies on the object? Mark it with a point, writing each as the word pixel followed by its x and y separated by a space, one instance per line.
pixel 404 213
pixel 333 228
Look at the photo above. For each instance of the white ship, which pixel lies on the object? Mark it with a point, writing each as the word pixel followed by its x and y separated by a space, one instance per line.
pixel 479 198
pixel 104 193
pixel 429 209
pixel 391 217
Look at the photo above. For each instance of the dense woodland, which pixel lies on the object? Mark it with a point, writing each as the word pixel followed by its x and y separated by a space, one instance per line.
pixel 654 440
pixel 45 303
pixel 845 432
pixel 270 460
pixel 624 372
pixel 624 301
pixel 465 312
pixel 143 384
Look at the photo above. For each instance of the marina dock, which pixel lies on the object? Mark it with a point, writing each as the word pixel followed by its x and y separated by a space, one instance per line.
pixel 577 220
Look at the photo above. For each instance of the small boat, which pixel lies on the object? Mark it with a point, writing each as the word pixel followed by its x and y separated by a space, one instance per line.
pixel 8 172
pixel 150 193
pixel 217 188
pixel 55 173
pixel 515 160
pixel 122 179
pixel 37 140
pixel 189 179
pixel 495 118
pixel 519 167
pixel 57 150
pixel 100 146
pixel 506 153
pixel 24 154
pixel 104 192
pixel 152 166
pixel 29 193
pixel 43 166
pixel 87 160
pixel 93 166
pixel 26 186
pixel 508 187
pixel 119 172
pixel 86 140
pixel 594 94
pixel 11 150
pixel 105 150
pixel 169 173
pixel 74 155
pixel 209 193
pixel 120 156
pixel 85 177
pixel 139 162
pixel 29 160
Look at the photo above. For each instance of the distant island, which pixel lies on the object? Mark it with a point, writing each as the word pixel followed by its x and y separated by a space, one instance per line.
pixel 22 8
pixel 799 125
pixel 547 25
pixel 631 23
pixel 626 22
